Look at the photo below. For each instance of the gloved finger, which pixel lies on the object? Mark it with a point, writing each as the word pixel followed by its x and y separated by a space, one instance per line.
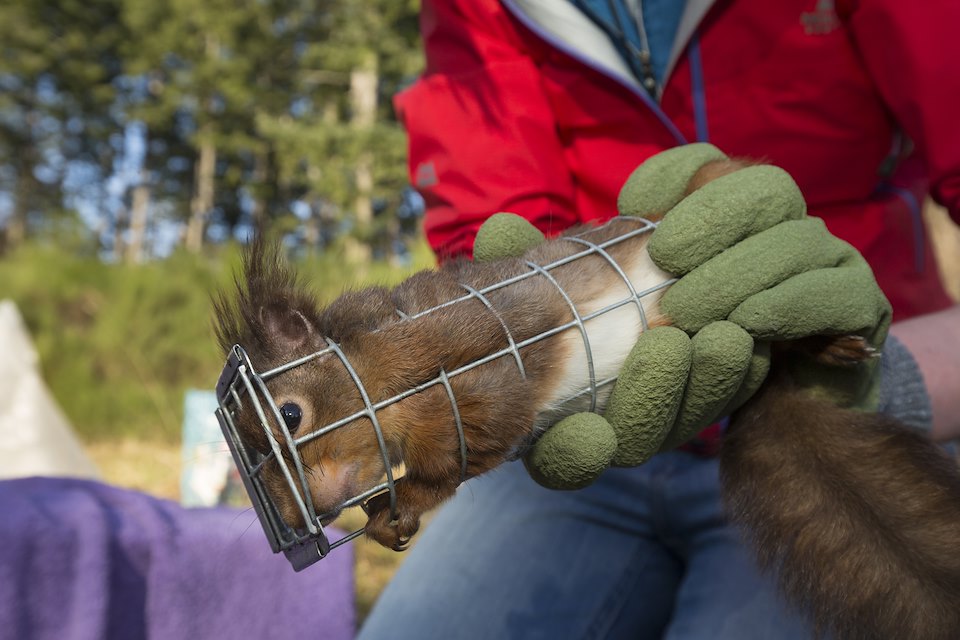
pixel 661 181
pixel 505 235
pixel 756 375
pixel 573 452
pixel 723 213
pixel 714 289
pixel 644 403
pixel 721 355
pixel 831 301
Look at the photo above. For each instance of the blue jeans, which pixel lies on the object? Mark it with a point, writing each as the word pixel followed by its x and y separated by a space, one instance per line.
pixel 643 553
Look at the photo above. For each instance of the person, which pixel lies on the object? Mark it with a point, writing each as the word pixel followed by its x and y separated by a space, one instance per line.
pixel 543 109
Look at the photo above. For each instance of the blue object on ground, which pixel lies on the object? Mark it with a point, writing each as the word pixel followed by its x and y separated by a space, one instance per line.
pixel 207 463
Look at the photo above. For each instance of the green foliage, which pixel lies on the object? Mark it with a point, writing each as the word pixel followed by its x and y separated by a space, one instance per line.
pixel 120 344
pixel 58 61
pixel 267 85
pixel 266 92
pixel 287 101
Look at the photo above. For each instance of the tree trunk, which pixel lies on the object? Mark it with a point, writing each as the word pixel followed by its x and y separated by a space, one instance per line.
pixel 363 100
pixel 260 175
pixel 138 220
pixel 204 173
pixel 16 227
pixel 204 170
pixel 363 204
pixel 16 231
pixel 119 225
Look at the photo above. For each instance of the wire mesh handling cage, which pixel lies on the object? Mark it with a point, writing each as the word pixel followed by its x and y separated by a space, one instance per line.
pixel 242 388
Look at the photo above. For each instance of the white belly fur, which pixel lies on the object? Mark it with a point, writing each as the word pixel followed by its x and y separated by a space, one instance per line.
pixel 611 336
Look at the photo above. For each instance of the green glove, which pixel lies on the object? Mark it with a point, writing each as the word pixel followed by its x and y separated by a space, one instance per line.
pixel 670 387
pixel 747 253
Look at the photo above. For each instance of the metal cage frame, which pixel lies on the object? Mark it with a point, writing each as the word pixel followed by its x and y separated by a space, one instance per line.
pixel 240 383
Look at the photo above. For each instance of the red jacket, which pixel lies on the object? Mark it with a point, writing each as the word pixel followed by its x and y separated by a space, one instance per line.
pixel 510 117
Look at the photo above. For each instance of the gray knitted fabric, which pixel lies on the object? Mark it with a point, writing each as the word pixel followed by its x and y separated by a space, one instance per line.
pixel 903 394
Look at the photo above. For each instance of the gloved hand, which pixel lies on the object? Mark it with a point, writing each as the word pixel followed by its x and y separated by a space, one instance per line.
pixel 754 258
pixel 671 386
pixel 747 253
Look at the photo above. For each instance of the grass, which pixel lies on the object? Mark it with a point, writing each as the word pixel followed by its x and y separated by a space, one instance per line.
pixel 151 467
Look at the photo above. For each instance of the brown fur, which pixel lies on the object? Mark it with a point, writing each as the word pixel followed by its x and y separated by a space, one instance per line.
pixel 713 170
pixel 858 515
pixel 276 321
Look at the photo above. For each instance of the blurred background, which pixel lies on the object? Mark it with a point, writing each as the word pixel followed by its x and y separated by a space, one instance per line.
pixel 141 142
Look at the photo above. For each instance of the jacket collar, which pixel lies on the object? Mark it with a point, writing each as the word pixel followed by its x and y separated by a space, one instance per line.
pixel 575 33
pixel 693 14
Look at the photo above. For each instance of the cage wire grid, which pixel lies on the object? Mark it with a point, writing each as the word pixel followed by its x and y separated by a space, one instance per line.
pixel 240 383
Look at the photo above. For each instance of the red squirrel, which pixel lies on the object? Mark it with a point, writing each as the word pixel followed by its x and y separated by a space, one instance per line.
pixel 858 515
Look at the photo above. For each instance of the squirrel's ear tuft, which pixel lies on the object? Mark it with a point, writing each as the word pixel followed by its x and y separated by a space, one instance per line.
pixel 285 326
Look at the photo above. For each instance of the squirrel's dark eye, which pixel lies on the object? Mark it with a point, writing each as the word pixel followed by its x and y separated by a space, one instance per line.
pixel 292 414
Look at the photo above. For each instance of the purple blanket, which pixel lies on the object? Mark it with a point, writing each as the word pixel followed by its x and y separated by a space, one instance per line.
pixel 83 560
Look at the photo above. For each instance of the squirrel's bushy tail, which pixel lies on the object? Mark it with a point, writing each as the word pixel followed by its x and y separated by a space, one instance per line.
pixel 859 515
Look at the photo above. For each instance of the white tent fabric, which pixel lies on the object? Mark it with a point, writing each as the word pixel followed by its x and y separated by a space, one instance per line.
pixel 35 437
